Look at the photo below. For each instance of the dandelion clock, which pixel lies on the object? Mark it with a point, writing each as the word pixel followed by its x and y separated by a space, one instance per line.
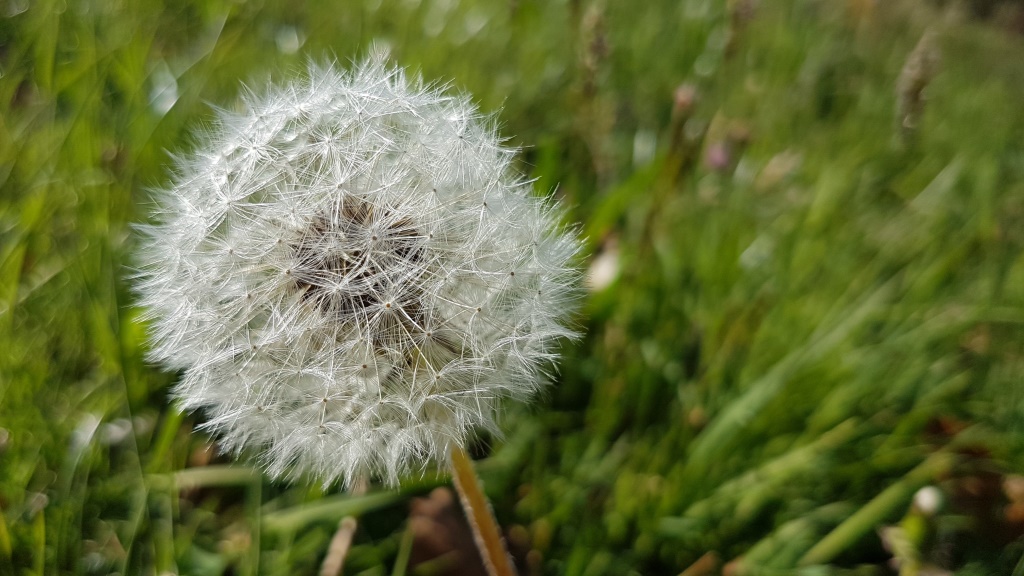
pixel 352 278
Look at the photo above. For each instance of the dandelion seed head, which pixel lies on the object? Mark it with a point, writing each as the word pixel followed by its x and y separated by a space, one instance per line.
pixel 351 276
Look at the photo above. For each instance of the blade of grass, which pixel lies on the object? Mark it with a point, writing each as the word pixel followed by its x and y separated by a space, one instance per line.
pixel 328 510
pixel 720 435
pixel 875 512
pixel 404 552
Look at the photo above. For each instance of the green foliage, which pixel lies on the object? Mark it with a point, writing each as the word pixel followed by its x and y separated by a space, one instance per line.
pixel 817 311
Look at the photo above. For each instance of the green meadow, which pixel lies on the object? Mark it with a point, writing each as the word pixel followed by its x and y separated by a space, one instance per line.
pixel 804 227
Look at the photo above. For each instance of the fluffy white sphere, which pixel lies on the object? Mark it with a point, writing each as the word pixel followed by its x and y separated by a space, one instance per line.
pixel 351 276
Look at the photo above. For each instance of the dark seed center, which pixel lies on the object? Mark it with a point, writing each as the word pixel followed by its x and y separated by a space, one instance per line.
pixel 358 258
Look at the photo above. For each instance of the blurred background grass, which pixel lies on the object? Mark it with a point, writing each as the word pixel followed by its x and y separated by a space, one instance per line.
pixel 806 221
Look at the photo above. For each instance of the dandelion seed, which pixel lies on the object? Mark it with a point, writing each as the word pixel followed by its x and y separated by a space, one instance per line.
pixel 367 317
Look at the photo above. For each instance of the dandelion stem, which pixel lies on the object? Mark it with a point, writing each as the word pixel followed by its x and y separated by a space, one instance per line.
pixel 342 540
pixel 481 518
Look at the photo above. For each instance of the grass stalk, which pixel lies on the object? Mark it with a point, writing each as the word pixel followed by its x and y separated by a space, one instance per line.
pixel 295 518
pixel 404 552
pixel 875 512
pixel 341 542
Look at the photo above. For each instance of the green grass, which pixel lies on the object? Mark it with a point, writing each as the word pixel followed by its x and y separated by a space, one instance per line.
pixel 797 339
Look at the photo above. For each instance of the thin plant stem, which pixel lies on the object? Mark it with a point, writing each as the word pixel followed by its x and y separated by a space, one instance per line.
pixel 481 518
pixel 404 552
pixel 873 513
pixel 342 540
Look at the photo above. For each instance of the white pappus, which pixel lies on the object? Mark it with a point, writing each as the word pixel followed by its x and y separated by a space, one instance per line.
pixel 352 277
